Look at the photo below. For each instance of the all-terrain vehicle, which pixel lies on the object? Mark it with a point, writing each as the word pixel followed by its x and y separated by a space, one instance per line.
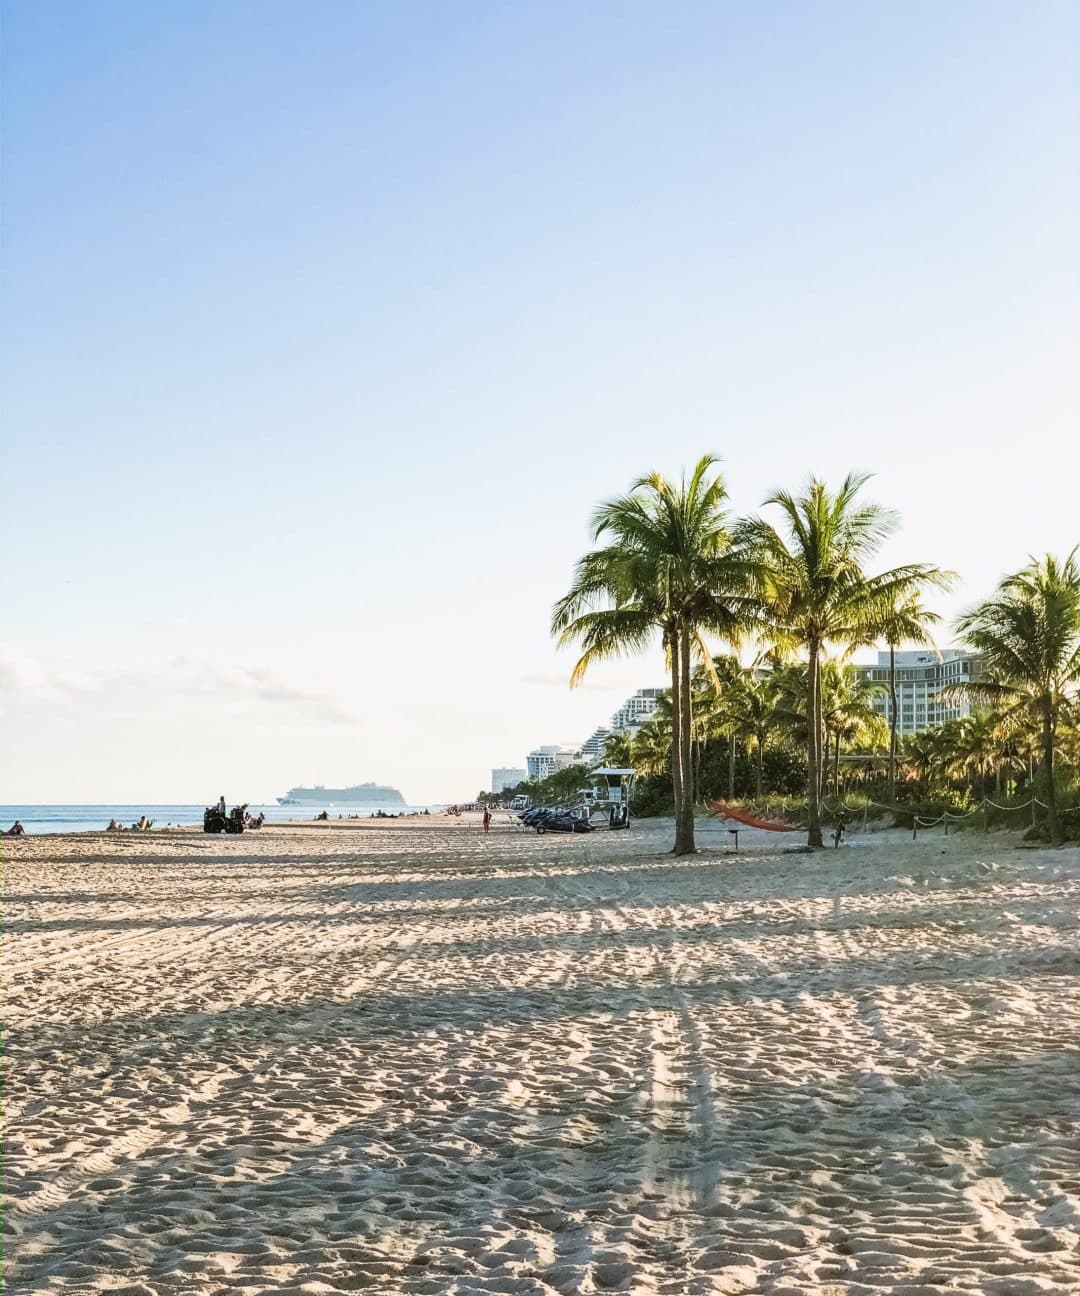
pixel 213 821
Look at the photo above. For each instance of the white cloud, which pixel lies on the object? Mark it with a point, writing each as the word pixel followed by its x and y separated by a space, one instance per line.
pixel 27 681
pixel 563 681
pixel 24 676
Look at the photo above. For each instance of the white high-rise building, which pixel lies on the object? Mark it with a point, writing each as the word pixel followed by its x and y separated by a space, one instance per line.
pixel 593 746
pixel 508 777
pixel 921 679
pixel 636 710
pixel 542 761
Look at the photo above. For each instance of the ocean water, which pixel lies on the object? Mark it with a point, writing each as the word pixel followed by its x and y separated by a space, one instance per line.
pixel 86 818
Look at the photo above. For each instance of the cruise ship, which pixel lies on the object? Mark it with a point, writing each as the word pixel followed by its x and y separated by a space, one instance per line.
pixel 359 794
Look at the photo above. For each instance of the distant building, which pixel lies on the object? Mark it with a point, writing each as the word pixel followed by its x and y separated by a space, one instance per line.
pixel 593 746
pixel 501 779
pixel 542 761
pixel 636 710
pixel 921 678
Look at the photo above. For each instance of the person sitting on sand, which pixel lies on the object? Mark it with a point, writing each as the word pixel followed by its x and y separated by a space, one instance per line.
pixel 114 826
pixel 16 830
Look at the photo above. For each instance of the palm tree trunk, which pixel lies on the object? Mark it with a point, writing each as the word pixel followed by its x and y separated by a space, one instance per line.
pixel 893 722
pixel 1057 837
pixel 813 762
pixel 836 769
pixel 731 766
pixel 676 717
pixel 684 818
pixel 760 758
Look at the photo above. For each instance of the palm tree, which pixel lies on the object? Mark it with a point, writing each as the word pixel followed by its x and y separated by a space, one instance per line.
pixel 754 709
pixel 813 588
pixel 905 620
pixel 847 710
pixel 919 756
pixel 981 750
pixel 716 685
pixel 1028 638
pixel 669 568
pixel 651 747
pixel 618 750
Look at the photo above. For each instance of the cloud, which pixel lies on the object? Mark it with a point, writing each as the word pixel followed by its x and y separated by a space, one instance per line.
pixel 563 681
pixel 253 690
pixel 23 675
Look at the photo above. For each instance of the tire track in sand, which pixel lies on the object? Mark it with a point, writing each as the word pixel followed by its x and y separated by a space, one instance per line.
pixel 54 1196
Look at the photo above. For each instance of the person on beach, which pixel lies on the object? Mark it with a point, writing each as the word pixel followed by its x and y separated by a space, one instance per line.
pixel 221 805
pixel 487 819
pixel 16 830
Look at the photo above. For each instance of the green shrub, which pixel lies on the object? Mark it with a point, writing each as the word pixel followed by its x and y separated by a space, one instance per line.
pixel 652 796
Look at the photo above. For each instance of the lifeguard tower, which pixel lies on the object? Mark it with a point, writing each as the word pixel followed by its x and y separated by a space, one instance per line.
pixel 614 790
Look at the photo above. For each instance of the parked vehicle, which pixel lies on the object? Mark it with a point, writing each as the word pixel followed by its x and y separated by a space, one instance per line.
pixel 565 822
pixel 556 818
pixel 534 814
pixel 215 822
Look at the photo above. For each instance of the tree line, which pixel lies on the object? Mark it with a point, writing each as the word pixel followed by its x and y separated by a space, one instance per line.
pixel 672 564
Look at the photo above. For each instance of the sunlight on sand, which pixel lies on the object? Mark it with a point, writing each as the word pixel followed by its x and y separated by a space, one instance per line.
pixel 415 1059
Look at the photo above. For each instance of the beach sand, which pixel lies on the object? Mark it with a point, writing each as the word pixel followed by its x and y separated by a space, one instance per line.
pixel 414 1059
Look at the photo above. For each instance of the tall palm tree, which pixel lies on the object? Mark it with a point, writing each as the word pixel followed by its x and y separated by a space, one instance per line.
pixel 905 620
pixel 814 590
pixel 668 568
pixel 1028 638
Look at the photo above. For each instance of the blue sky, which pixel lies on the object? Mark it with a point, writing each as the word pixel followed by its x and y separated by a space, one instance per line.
pixel 326 324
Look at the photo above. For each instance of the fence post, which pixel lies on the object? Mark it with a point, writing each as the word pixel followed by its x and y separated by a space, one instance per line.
pixel 986 817
pixel 1033 807
pixel 914 826
pixel 945 821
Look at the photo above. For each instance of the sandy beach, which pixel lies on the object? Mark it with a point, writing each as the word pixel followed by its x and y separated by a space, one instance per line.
pixel 412 1059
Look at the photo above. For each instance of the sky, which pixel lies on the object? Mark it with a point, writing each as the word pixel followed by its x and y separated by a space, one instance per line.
pixel 326 326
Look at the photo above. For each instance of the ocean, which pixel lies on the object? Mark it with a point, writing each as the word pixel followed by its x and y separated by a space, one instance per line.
pixel 84 818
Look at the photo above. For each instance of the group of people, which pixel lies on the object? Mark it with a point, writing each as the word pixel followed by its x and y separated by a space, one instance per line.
pixel 143 825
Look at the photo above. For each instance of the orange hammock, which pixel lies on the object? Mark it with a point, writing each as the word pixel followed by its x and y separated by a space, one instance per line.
pixel 770 825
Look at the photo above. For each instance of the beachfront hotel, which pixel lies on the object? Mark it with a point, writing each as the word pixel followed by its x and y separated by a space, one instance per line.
pixel 542 761
pixel 593 747
pixel 506 777
pixel 636 710
pixel 922 676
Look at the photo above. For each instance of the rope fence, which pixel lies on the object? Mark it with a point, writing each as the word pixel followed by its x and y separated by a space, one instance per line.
pixel 945 818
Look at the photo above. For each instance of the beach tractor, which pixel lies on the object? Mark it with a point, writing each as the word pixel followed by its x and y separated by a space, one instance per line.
pixel 213 821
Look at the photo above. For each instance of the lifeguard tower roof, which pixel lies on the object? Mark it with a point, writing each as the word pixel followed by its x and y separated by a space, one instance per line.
pixel 607 770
